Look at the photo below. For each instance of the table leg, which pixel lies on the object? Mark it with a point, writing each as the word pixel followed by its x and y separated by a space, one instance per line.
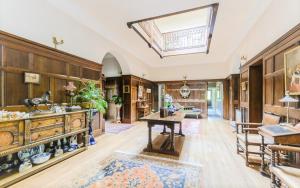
pixel 262 167
pixel 164 130
pixel 149 145
pixel 172 136
pixel 180 130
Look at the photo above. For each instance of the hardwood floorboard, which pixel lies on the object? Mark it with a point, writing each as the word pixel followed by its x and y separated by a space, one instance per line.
pixel 214 149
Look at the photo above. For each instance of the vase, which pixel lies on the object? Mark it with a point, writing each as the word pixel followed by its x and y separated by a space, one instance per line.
pixel 118 109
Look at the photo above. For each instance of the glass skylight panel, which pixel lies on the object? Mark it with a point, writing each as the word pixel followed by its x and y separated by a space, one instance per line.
pixel 178 33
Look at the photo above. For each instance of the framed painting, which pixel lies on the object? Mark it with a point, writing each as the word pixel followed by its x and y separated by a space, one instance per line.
pixel 126 89
pixel 31 78
pixel 292 71
pixel 140 91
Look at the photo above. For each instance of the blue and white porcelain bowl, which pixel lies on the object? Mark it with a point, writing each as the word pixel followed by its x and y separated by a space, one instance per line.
pixel 40 158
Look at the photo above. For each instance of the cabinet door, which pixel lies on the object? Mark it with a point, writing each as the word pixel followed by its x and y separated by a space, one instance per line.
pixel 11 134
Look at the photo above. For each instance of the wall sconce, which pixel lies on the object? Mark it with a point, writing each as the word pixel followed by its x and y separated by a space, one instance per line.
pixel 56 42
pixel 243 59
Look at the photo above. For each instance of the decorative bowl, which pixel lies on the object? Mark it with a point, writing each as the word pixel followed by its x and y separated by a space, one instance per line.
pixel 40 158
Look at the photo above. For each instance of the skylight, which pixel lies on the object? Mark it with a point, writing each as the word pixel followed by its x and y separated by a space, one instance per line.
pixel 180 33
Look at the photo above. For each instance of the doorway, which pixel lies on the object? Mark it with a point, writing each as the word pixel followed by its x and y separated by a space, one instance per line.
pixel 215 99
pixel 112 86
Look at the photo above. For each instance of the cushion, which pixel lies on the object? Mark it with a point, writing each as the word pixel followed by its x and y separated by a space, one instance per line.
pixel 269 119
pixel 197 110
pixel 289 175
pixel 253 139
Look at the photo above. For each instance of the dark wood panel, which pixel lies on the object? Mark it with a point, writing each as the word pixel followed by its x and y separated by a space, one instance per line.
pixel 46 65
pixel 256 93
pixel 16 58
pixel 269 65
pixel 59 93
pixel 16 90
pixel 74 70
pixel 40 89
pixel 279 61
pixel 269 91
pixel 274 88
pixel 55 68
pixel 91 74
pixel 278 89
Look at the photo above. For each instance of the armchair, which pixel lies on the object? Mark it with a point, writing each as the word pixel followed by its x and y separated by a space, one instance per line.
pixel 248 140
pixel 282 174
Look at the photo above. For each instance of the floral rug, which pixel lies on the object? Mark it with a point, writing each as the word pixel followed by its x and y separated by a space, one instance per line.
pixel 189 127
pixel 134 171
pixel 116 128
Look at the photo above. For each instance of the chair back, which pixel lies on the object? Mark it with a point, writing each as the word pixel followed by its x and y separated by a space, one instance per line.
pixel 270 119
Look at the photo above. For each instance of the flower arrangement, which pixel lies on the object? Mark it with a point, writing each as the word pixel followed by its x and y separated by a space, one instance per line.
pixel 168 103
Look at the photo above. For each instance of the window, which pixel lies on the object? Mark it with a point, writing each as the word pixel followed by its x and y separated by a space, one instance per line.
pixel 178 33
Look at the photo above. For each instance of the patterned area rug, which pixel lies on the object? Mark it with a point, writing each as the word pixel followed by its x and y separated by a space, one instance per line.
pixel 189 127
pixel 134 171
pixel 116 128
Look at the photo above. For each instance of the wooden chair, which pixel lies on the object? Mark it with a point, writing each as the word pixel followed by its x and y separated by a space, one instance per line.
pixel 282 174
pixel 247 136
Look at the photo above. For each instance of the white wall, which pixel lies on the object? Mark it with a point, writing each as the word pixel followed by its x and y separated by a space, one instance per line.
pixel 193 72
pixel 39 21
pixel 111 67
pixel 279 18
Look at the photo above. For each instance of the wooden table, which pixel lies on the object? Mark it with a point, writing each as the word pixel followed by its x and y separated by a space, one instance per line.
pixel 277 134
pixel 170 121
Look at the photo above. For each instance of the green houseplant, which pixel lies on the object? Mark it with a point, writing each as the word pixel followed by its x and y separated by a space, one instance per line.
pixel 92 98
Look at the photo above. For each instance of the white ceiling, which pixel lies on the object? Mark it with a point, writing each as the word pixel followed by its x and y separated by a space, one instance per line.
pixel 183 21
pixel 109 17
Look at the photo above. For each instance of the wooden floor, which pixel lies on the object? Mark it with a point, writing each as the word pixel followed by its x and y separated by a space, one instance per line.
pixel 214 148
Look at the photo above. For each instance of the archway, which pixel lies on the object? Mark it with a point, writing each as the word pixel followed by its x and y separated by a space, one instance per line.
pixel 112 85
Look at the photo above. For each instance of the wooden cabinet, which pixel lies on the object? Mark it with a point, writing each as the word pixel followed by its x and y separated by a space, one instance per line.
pixel 11 134
pixel 55 68
pixel 22 134
pixel 233 103
pixel 251 92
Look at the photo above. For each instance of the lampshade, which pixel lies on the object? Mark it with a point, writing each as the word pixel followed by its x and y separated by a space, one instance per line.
pixel 288 98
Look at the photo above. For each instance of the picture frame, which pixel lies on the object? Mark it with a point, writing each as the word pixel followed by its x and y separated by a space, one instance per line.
pixel 140 91
pixel 32 78
pixel 292 71
pixel 244 86
pixel 126 89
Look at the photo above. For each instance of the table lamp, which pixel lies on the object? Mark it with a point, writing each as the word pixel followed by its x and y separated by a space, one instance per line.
pixel 288 99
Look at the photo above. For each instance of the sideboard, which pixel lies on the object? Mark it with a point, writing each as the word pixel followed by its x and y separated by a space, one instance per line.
pixel 18 135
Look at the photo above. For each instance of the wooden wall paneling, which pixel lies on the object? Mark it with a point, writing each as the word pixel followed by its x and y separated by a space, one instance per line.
pixel 274 77
pixel 256 93
pixel 16 58
pixel 74 70
pixel 91 74
pixel 234 95
pixel 15 89
pixel 44 64
pixel 197 97
pixel 19 55
pixel 59 94
pixel 126 81
pixel 39 89
pixel 226 99
pixel 130 99
pixel 1 76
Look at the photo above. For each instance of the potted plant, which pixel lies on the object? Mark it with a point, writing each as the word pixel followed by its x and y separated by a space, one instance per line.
pixel 118 102
pixel 91 98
